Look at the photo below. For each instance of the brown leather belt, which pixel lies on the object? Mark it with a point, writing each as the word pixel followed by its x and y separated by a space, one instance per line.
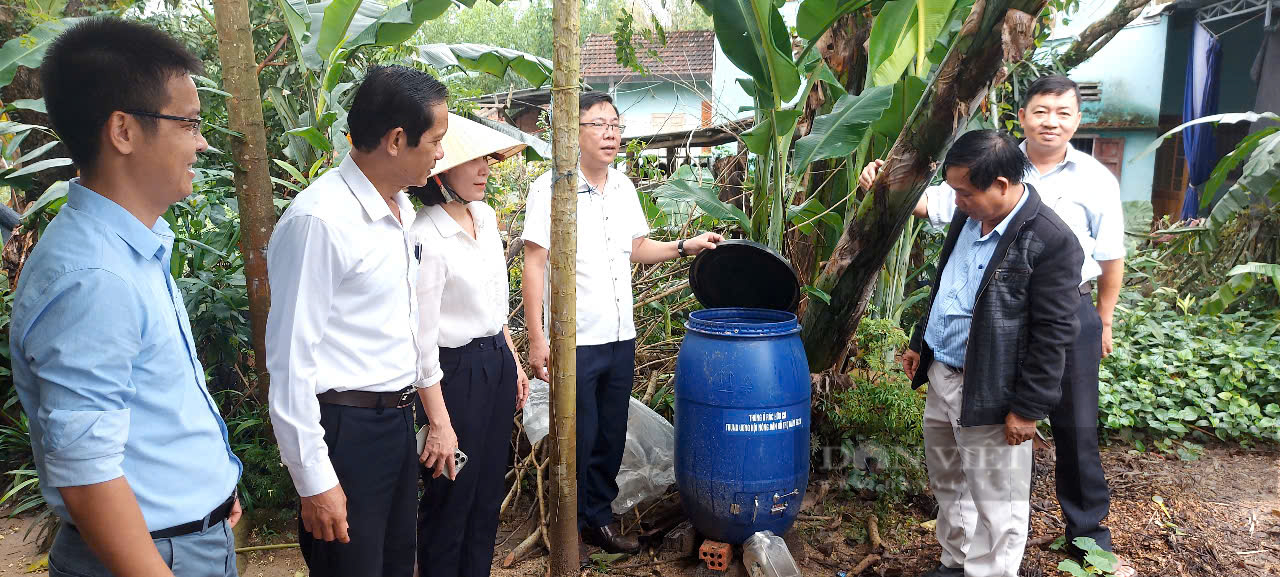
pixel 1086 288
pixel 369 399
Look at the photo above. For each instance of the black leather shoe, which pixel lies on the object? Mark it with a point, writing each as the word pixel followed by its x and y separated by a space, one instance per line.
pixel 611 539
pixel 944 571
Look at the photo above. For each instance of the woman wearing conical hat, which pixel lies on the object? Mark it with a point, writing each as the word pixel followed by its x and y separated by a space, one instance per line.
pixel 475 381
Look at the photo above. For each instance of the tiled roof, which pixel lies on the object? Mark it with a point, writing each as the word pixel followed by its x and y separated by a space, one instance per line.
pixel 689 54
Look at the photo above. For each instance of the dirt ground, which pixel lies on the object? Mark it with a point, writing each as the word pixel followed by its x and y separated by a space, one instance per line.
pixel 1220 516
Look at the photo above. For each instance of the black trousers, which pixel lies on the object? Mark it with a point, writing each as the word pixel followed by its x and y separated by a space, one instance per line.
pixel 458 520
pixel 1081 485
pixel 373 452
pixel 604 391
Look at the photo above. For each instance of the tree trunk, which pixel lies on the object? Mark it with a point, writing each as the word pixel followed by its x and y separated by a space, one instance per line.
pixel 252 179
pixel 994 31
pixel 1101 32
pixel 564 249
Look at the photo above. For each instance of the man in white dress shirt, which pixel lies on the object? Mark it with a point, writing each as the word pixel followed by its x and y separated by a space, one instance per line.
pixel 612 234
pixel 1086 195
pixel 341 335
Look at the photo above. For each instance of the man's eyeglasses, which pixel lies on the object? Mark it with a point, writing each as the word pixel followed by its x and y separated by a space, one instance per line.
pixel 193 124
pixel 605 127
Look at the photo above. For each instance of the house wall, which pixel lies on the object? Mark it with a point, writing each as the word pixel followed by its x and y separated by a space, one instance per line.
pixel 639 102
pixel 1135 176
pixel 1130 73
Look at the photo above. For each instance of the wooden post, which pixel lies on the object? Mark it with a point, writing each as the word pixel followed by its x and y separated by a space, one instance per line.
pixel 564 249
pixel 251 176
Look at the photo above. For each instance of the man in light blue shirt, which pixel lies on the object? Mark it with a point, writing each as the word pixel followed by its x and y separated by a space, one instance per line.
pixel 131 451
pixel 952 311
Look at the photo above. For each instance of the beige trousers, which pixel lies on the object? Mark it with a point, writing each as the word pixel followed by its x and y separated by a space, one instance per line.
pixel 982 484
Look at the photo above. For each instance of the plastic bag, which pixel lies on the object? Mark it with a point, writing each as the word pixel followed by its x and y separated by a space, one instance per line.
pixel 648 459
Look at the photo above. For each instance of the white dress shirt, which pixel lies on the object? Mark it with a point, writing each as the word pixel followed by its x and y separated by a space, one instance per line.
pixel 463 290
pixel 609 219
pixel 1083 193
pixel 343 314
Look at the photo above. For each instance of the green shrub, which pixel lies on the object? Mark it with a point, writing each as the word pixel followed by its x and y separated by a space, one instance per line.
pixel 265 481
pixel 872 430
pixel 1175 371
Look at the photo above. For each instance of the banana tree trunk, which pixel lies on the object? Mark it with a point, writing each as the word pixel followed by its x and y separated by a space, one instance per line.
pixel 844 51
pixel 564 249
pixel 995 30
pixel 251 176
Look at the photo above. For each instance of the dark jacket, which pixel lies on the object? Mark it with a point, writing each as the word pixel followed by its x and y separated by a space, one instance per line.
pixel 1024 318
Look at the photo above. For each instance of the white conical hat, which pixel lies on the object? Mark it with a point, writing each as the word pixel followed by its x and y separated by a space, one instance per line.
pixel 468 140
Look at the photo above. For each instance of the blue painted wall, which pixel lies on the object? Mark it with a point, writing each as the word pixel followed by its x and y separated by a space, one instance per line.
pixel 638 102
pixel 1130 70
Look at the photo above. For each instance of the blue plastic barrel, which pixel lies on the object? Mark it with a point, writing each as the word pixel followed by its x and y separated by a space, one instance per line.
pixel 742 422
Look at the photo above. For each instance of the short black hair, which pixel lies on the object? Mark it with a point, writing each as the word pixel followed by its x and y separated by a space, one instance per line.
pixel 591 98
pixel 988 154
pixel 1055 84
pixel 102 65
pixel 390 97
pixel 429 194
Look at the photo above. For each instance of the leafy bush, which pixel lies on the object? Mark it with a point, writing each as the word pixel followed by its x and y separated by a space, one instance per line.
pixel 265 481
pixel 1176 372
pixel 872 429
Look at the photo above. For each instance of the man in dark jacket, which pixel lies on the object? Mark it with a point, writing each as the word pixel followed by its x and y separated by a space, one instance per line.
pixel 993 349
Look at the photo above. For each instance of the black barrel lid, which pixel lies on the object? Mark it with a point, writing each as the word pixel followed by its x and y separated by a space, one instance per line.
pixel 742 273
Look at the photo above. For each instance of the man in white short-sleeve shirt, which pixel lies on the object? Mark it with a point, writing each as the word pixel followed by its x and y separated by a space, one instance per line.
pixel 1086 196
pixel 612 234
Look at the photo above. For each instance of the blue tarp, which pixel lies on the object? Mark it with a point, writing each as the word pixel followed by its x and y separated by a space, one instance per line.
pixel 1200 99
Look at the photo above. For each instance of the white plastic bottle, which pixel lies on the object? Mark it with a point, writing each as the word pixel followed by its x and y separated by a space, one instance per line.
pixel 766 555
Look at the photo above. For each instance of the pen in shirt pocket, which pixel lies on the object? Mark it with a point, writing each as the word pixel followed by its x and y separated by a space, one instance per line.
pixel 417 251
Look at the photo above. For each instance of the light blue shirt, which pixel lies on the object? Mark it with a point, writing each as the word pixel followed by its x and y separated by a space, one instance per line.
pixel 106 369
pixel 952 312
pixel 1084 194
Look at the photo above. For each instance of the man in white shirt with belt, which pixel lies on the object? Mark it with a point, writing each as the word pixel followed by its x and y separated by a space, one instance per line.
pixel 612 234
pixel 341 335
pixel 1086 196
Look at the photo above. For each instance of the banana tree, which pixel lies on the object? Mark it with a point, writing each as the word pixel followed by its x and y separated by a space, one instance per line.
pixel 993 31
pixel 324 36
pixel 755 38
pixel 1260 179
pixel 312 99
pixel 28 49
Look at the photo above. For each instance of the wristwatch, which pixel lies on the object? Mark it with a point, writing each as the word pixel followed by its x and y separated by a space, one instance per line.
pixel 680 248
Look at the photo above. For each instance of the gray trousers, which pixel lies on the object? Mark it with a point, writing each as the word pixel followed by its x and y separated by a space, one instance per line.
pixel 209 553
pixel 982 484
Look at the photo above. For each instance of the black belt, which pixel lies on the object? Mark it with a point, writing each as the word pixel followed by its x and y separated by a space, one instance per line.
pixel 369 399
pixel 216 516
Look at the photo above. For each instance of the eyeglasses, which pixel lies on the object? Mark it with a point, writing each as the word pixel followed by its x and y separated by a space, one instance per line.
pixel 193 124
pixel 604 127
